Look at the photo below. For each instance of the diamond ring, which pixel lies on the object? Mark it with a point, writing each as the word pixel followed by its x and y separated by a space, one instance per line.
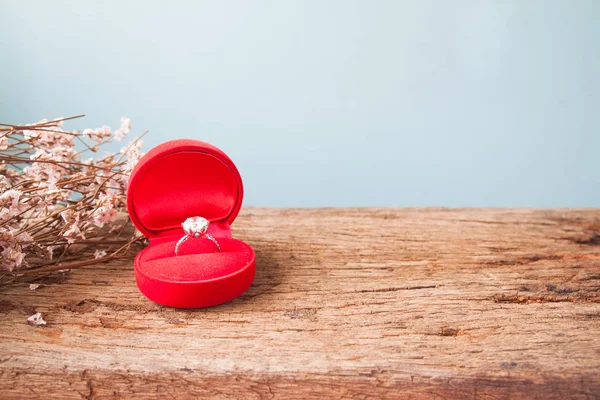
pixel 195 228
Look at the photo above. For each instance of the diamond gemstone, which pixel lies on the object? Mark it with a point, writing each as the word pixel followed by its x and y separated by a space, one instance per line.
pixel 195 226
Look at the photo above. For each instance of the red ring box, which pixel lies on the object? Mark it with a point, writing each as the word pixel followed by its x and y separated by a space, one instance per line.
pixel 174 181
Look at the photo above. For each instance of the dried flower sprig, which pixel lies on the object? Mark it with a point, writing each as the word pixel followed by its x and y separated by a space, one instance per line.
pixel 58 209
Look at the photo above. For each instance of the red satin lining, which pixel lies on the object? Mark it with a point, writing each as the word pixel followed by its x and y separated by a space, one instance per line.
pixel 180 185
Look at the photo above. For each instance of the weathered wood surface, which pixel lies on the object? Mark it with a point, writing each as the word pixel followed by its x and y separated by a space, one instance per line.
pixel 347 303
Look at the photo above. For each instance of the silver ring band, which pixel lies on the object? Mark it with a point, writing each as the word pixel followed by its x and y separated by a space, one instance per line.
pixel 195 228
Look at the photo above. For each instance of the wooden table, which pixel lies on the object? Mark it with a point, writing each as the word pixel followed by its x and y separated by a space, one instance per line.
pixel 347 303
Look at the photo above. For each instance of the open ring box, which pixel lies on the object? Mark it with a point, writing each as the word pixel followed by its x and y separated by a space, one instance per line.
pixel 172 182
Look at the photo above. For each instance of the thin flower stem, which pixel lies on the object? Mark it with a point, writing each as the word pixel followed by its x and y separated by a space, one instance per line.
pixel 70 163
pixel 129 243
pixel 130 145
pixel 55 122
pixel 67 266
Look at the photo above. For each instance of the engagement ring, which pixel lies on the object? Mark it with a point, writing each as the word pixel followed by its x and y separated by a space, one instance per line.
pixel 196 228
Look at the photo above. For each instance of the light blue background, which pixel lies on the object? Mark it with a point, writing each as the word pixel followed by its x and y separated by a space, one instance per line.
pixel 333 103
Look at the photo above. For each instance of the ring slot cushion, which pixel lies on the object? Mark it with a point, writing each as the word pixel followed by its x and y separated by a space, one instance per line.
pixel 174 181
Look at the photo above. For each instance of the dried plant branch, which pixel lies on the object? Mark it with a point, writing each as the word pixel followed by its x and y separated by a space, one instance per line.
pixel 67 266
pixel 53 202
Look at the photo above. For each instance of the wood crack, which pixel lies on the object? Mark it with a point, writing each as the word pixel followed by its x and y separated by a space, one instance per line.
pixel 396 289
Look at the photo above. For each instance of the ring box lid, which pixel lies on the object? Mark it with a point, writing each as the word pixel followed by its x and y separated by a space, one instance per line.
pixel 181 179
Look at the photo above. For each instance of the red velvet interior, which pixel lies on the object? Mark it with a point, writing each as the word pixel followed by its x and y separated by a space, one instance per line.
pixel 174 186
pixel 197 260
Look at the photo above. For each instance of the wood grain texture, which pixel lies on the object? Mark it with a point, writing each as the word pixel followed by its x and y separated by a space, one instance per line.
pixel 347 303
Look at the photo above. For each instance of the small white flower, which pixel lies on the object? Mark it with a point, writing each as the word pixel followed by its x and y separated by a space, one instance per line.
pixel 51 188
pixel 73 233
pixel 10 199
pixel 3 142
pixel 25 239
pixel 36 320
pixel 133 153
pixel 4 182
pixel 91 133
pixel 99 254
pixel 5 214
pixel 50 250
pixel 104 215
pixel 38 154
pixel 123 130
pixel 119 135
pixel 59 121
pixel 104 130
pixel 12 257
pixel 126 124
